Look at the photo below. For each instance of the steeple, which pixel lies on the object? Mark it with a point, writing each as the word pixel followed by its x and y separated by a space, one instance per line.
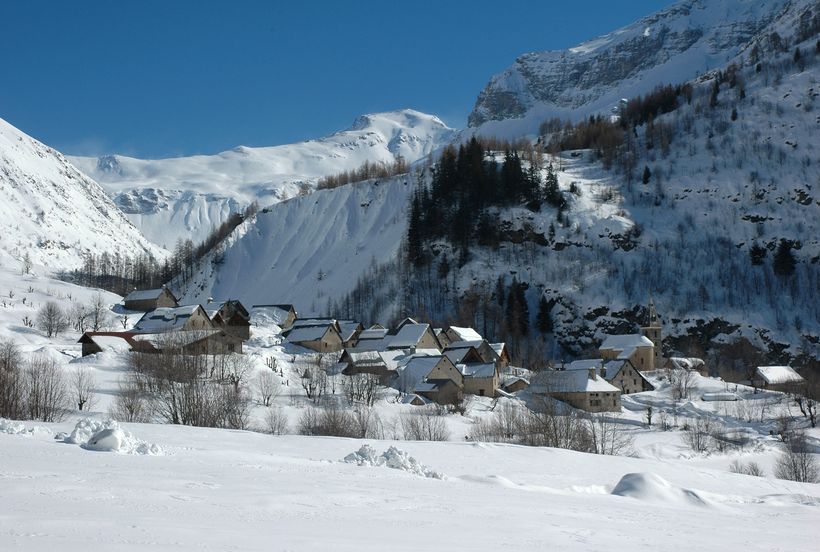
pixel 653 331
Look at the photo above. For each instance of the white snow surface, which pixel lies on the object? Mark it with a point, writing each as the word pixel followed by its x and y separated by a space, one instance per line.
pixel 53 212
pixel 108 436
pixel 391 458
pixel 184 197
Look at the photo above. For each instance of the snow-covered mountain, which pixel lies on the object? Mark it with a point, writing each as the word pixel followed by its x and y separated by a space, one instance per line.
pixel 185 197
pixel 53 212
pixel 308 250
pixel 674 45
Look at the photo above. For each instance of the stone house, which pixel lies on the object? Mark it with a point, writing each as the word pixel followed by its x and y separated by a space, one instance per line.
pixel 433 377
pixel 149 299
pixel 350 330
pixel 232 317
pixel 190 342
pixel 620 373
pixel 322 338
pixel 411 335
pixel 779 378
pixel 367 362
pixel 170 319
pixel 484 350
pixel 480 379
pixel 514 384
pixel 97 342
pixel 453 334
pixel 502 353
pixel 636 348
pixel 582 389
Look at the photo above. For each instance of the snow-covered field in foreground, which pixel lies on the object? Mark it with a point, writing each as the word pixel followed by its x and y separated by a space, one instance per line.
pixel 233 490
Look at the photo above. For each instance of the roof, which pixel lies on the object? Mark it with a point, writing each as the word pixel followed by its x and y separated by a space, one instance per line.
pixel 412 398
pixel 570 381
pixel 626 344
pixel 585 364
pixel 408 336
pixel 466 334
pixel 180 338
pixel 372 333
pixel 284 307
pixel 276 313
pixel 691 363
pixel 308 333
pixel 774 375
pixel 109 341
pixel 145 294
pixel 417 369
pixel 348 329
pixel 482 370
pixel 499 348
pixel 465 344
pixel 165 319
pixel 366 358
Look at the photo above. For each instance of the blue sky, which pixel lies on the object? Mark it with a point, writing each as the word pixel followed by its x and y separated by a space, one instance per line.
pixel 165 78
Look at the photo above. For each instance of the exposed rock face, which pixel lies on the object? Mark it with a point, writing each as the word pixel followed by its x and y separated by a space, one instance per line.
pixel 670 46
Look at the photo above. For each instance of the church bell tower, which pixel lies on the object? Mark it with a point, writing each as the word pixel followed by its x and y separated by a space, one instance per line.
pixel 653 331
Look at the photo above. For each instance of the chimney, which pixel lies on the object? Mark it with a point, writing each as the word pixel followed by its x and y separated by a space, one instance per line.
pixel 592 374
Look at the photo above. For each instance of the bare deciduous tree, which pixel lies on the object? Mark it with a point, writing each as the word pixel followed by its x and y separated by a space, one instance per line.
pixel 276 422
pixel 797 462
pixel 131 403
pixel 47 396
pixel 268 388
pixel 51 319
pixel 12 383
pixel 83 386
pixel 682 382
pixel 427 424
pixel 606 436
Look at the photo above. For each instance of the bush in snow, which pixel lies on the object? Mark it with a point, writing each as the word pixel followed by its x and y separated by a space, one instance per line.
pixel 425 425
pixel 331 421
pixel 797 462
pixel 276 422
pixel 752 468
pixel 46 390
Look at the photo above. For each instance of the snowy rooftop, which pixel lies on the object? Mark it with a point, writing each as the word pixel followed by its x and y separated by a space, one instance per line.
pixel 774 375
pixel 570 381
pixel 372 333
pixel 348 328
pixel 483 370
pixel 143 294
pixel 408 336
pixel 626 341
pixel 466 334
pixel 165 319
pixel 308 333
pixel 114 343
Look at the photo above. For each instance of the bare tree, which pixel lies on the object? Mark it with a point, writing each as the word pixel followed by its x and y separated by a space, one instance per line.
pixel 78 316
pixel 314 379
pixel 606 436
pixel 276 422
pixel 797 462
pixel 698 434
pixel 551 424
pixel 47 396
pixel 26 264
pixel 682 382
pixel 131 403
pixel 427 424
pixel 12 383
pixel 268 388
pixel 83 385
pixel 752 468
pixel 98 313
pixel 51 319
pixel 361 388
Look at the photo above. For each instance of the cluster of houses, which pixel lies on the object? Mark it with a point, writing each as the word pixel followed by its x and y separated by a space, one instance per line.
pixel 426 364
pixel 216 328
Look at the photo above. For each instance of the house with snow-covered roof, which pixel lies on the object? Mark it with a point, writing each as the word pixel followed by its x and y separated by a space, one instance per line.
pixel 620 373
pixel 116 342
pixel 322 336
pixel 413 336
pixel 174 319
pixel 582 389
pixel 480 378
pixel 230 316
pixel 484 350
pixel 435 378
pixel 149 299
pixel 636 348
pixel 451 334
pixel 778 378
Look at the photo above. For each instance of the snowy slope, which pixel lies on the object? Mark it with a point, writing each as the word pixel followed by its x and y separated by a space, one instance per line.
pixel 185 197
pixel 312 248
pixel 233 490
pixel 674 45
pixel 54 212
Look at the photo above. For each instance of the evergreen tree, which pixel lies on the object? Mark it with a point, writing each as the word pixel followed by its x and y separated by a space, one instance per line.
pixel 757 253
pixel 414 232
pixel 647 174
pixel 784 262
pixel 543 320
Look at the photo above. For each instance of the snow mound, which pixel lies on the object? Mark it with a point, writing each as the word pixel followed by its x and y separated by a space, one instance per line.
pixel 391 458
pixel 17 428
pixel 653 488
pixel 108 436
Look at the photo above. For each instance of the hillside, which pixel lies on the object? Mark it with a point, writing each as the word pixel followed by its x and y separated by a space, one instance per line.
pixel 54 212
pixel 674 45
pixel 185 197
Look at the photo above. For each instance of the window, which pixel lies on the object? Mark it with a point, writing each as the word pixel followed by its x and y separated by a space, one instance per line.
pixel 594 402
pixel 481 392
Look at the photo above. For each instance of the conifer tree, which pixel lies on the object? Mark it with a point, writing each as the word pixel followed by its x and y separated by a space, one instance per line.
pixel 784 262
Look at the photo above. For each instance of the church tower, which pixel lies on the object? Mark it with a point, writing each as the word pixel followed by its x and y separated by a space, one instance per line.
pixel 653 331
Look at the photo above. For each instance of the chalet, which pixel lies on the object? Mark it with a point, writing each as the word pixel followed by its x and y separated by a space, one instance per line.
pixel 636 348
pixel 174 319
pixel 433 377
pixel 368 362
pixel 231 317
pixel 514 384
pixel 190 342
pixel 480 379
pixel 778 378
pixel 350 330
pixel 149 299
pixel 620 373
pixel 322 337
pixel 411 335
pixel 282 315
pixel 502 353
pixel 484 350
pixel 463 355
pixel 453 334
pixel 97 342
pixel 372 339
pixel 582 389
pixel 690 364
